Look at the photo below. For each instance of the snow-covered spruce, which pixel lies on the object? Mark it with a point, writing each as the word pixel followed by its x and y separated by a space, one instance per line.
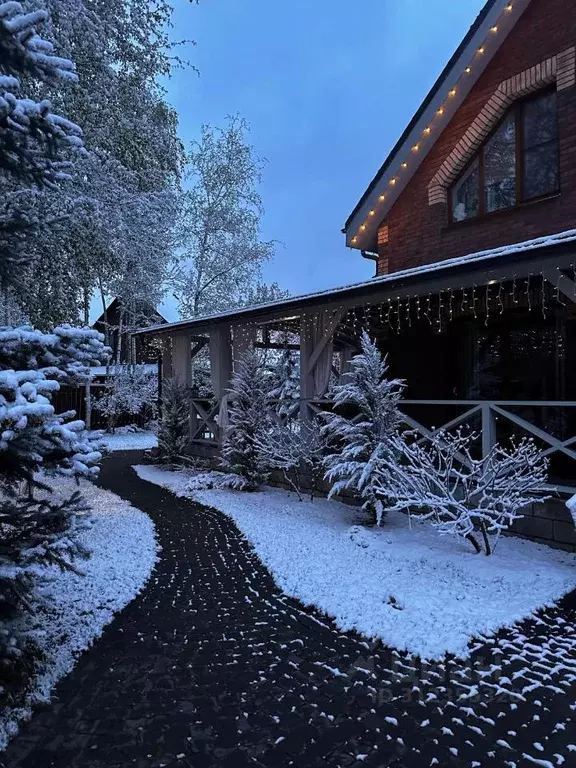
pixel 475 499
pixel 248 418
pixel 402 583
pixel 174 426
pixel 72 608
pixel 360 441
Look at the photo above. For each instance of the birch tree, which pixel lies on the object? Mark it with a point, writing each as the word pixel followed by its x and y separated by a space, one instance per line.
pixel 221 253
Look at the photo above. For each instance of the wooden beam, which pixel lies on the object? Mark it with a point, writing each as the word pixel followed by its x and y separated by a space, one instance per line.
pixel 275 345
pixel 333 324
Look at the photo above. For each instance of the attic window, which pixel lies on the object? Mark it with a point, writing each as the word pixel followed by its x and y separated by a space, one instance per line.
pixel 516 164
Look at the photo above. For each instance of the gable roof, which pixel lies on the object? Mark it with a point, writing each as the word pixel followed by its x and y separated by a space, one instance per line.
pixel 116 303
pixel 483 40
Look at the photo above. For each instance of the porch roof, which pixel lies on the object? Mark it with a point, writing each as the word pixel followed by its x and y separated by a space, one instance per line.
pixel 503 263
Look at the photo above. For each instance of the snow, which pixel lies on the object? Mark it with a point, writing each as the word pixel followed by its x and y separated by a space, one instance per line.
pixel 128 439
pixel 78 607
pixel 410 587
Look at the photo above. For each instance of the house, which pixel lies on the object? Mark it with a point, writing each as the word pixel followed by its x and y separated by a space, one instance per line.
pixel 471 223
pixel 117 323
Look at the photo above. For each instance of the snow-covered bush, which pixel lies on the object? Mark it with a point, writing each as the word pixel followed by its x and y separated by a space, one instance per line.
pixel 475 499
pixel 294 448
pixel 174 425
pixel 129 389
pixel 360 436
pixel 248 414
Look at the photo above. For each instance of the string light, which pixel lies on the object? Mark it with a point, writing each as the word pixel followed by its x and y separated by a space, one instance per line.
pixel 440 308
pixel 528 297
pixel 464 303
pixel 451 93
pixel 474 301
pixel 514 289
pixel 427 310
pixel 417 307
pixel 388 314
pixel 398 317
pixel 487 304
pixel 450 305
pixel 544 307
pixel 408 316
pixel 500 298
pixel 558 299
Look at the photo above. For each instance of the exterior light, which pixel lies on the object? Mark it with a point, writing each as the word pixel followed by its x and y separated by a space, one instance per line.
pixel 509 7
pixel 382 198
pixel 468 70
pixel 481 49
pixel 372 213
pixel 404 165
pixel 440 111
pixel 354 239
pixel 363 227
pixel 415 148
pixel 494 30
pixel 452 92
pixel 392 182
pixel 427 130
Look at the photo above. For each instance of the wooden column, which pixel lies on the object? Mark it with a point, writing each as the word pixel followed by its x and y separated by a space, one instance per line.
pixel 166 357
pixel 182 369
pixel 220 363
pixel 306 372
pixel 182 359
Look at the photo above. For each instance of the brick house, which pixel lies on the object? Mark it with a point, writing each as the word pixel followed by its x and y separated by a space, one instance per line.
pixel 471 222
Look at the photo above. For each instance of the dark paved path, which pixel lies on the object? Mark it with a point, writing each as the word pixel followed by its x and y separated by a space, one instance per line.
pixel 212 666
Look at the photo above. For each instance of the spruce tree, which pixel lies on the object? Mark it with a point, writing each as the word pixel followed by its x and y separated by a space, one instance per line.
pixel 174 429
pixel 357 439
pixel 249 406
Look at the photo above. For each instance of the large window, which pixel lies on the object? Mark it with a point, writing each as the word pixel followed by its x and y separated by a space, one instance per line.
pixel 518 163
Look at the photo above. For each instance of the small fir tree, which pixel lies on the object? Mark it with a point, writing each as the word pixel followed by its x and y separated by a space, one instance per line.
pixel 360 438
pixel 130 390
pixel 174 427
pixel 249 417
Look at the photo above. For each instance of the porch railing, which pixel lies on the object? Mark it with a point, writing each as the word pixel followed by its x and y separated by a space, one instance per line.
pixel 551 423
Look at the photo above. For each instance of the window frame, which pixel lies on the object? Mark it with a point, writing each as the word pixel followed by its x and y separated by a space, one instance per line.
pixel 517 109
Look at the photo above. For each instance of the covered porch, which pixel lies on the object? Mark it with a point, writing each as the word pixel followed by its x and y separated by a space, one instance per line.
pixel 487 340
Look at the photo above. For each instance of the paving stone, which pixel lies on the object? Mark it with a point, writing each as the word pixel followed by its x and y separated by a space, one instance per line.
pixel 211 665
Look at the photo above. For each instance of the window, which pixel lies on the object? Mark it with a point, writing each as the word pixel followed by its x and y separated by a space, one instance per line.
pixel 518 163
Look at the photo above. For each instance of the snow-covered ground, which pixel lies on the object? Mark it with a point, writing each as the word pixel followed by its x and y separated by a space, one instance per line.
pixel 128 439
pixel 413 589
pixel 124 550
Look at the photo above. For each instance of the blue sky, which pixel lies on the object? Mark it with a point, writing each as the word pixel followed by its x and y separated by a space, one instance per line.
pixel 327 86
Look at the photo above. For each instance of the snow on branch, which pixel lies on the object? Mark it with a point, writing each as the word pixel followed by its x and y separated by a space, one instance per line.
pixel 475 499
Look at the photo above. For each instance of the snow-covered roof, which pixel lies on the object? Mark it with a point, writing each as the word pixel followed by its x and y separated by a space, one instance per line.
pixel 484 39
pixel 480 258
pixel 100 370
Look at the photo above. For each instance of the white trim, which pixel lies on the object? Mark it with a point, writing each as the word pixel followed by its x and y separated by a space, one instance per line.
pixel 491 44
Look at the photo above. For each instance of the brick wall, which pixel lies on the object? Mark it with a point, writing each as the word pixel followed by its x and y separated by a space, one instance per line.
pixel 416 232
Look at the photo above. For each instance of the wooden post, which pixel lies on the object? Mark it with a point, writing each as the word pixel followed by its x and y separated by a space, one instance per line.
pixel 488 429
pixel 182 370
pixel 306 373
pixel 167 357
pixel 220 363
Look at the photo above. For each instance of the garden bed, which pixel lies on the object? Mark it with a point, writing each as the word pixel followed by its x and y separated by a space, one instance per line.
pixel 129 439
pixel 78 607
pixel 403 583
